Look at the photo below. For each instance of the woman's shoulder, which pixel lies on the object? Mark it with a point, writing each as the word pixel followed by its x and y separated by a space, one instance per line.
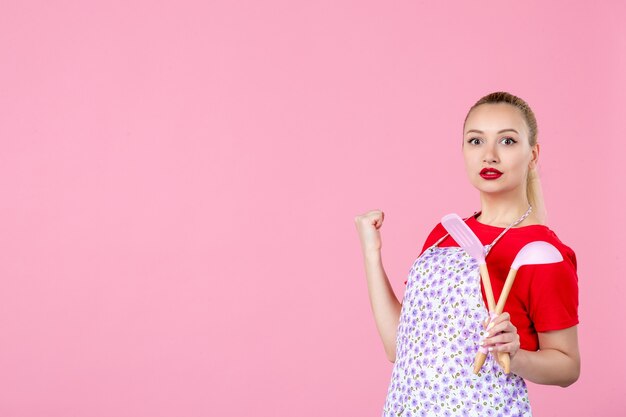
pixel 563 247
pixel 547 234
pixel 435 234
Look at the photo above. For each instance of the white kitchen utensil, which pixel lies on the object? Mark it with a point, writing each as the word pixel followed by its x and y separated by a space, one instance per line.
pixel 465 237
pixel 533 253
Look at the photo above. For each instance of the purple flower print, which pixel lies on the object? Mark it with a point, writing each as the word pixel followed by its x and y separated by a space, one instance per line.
pixel 436 343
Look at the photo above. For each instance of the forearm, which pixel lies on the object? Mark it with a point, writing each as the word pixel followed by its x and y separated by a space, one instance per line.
pixel 548 367
pixel 385 305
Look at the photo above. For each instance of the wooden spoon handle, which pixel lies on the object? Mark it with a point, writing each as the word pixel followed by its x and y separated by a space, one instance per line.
pixel 484 276
pixel 479 361
pixel 504 357
pixel 480 358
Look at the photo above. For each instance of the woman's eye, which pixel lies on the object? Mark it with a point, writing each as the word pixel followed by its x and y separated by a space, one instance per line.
pixel 471 141
pixel 508 141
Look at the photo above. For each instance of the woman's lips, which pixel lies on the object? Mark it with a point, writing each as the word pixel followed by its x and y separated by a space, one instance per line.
pixel 490 173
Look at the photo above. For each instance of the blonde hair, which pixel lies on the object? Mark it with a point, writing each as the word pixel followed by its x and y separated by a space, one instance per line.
pixel 533 183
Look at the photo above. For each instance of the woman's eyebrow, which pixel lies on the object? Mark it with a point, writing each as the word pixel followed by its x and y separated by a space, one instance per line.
pixel 501 131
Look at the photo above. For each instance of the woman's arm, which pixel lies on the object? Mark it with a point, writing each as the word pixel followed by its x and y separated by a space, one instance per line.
pixel 385 305
pixel 557 362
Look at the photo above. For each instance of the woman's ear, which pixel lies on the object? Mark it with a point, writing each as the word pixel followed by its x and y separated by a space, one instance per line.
pixel 535 156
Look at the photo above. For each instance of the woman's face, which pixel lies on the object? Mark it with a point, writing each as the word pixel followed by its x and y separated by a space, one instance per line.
pixel 496 138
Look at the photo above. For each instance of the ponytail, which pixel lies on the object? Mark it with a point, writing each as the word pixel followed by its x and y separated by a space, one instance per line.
pixel 535 195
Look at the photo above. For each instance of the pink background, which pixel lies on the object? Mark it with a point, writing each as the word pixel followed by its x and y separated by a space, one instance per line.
pixel 179 182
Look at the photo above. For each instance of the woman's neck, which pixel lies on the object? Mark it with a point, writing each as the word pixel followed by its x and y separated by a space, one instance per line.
pixel 501 212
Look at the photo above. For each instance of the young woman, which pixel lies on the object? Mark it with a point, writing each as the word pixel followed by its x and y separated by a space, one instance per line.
pixel 433 335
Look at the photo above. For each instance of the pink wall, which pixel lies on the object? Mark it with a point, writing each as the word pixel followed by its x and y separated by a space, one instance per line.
pixel 179 181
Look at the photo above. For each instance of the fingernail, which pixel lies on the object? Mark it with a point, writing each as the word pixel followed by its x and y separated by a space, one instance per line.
pixel 490 349
pixel 490 326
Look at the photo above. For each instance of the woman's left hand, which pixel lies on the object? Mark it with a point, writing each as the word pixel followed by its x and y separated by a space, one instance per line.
pixel 502 331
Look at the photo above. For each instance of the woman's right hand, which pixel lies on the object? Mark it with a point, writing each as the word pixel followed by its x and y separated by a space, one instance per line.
pixel 368 225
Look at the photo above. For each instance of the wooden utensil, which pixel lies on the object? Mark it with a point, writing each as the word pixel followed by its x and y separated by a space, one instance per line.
pixel 465 237
pixel 534 253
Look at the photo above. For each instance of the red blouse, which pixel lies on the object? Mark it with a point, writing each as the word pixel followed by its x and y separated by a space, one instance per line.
pixel 543 297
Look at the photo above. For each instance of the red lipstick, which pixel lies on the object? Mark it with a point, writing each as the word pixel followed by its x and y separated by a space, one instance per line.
pixel 490 173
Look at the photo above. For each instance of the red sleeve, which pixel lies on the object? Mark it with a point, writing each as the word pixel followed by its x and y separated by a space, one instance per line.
pixel 437 232
pixel 554 294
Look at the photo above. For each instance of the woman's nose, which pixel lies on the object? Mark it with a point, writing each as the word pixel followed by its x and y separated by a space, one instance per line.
pixel 490 155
